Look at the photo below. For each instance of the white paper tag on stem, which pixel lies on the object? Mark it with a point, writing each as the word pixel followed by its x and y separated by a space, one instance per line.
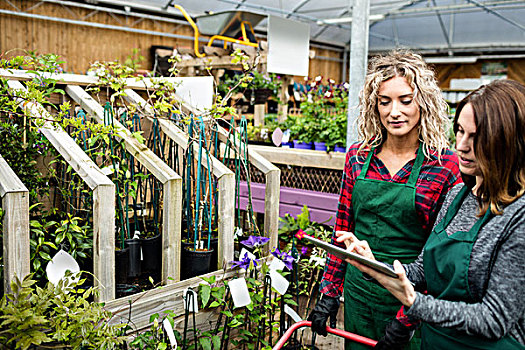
pixel 245 251
pixel 277 264
pixel 240 293
pixel 291 312
pixel 279 283
pixel 58 266
pixel 192 306
pixel 171 335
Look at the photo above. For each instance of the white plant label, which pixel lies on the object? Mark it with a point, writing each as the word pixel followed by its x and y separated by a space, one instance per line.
pixel 171 335
pixel 57 267
pixel 244 252
pixel 191 306
pixel 279 283
pixel 240 293
pixel 291 312
pixel 277 264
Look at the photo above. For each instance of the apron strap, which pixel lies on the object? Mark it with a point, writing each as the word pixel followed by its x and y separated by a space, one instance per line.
pixel 364 170
pixel 416 168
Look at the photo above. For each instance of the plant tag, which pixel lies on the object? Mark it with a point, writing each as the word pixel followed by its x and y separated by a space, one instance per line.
pixel 57 267
pixel 190 306
pixel 107 170
pixel 277 264
pixel 244 252
pixel 240 293
pixel 238 232
pixel 279 283
pixel 291 312
pixel 286 136
pixel 277 136
pixel 169 330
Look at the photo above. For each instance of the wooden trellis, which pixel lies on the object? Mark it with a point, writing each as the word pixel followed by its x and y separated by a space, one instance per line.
pixel 103 196
pixel 171 181
pixel 145 303
pixel 225 178
pixel 15 203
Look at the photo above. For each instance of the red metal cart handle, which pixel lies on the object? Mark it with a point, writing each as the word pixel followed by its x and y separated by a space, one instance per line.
pixel 338 332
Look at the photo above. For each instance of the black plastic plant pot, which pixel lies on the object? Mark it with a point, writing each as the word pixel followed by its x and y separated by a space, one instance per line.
pixel 195 263
pixel 121 265
pixel 151 254
pixel 134 257
pixel 214 245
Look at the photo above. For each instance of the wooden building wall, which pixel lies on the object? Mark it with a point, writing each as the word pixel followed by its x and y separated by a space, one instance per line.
pixel 446 72
pixel 81 45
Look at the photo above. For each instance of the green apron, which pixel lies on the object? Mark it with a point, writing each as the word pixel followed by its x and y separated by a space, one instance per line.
pixel 385 215
pixel 446 261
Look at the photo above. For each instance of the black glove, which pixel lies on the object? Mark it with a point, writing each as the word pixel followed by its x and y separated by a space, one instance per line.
pixel 397 335
pixel 325 307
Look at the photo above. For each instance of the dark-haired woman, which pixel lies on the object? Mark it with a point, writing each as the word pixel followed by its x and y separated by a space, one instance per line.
pixel 472 265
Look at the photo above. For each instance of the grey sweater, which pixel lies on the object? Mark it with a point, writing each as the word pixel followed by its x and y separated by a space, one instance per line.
pixel 500 293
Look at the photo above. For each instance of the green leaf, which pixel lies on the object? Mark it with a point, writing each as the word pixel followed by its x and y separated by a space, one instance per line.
pixel 205 343
pixel 205 290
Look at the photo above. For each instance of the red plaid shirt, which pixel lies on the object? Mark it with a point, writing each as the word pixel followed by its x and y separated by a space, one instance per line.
pixel 433 183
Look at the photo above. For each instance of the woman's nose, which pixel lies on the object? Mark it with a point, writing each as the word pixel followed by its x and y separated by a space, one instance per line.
pixel 395 111
pixel 462 143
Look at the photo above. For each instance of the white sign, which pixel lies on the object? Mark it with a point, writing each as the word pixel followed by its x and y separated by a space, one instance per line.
pixel 58 266
pixel 169 330
pixel 279 283
pixel 288 46
pixel 277 264
pixel 192 296
pixel 240 293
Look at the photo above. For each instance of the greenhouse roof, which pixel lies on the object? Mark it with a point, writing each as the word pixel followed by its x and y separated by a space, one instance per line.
pixel 430 26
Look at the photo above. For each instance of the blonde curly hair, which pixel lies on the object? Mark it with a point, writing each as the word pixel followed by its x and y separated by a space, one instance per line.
pixel 433 109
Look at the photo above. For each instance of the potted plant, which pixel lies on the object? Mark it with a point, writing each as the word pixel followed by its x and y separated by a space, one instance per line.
pixel 61 316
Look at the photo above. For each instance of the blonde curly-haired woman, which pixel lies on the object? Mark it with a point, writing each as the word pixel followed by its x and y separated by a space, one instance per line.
pixel 394 182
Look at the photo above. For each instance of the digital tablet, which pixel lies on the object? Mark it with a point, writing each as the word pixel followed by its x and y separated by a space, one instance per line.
pixel 343 254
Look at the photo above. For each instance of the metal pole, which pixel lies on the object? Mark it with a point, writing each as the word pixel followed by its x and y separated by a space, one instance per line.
pixel 358 62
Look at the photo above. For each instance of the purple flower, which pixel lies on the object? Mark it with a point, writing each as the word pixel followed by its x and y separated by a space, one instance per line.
pixel 286 258
pixel 303 250
pixel 244 263
pixel 254 241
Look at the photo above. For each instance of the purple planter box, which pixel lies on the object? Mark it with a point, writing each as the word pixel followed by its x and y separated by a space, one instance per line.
pixel 320 146
pixel 323 206
pixel 302 145
pixel 339 149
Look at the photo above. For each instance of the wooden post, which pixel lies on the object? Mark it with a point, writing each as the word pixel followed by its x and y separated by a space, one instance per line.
pixel 104 197
pixel 15 204
pixel 272 191
pixel 259 112
pixel 226 185
pixel 171 181
pixel 271 208
pixel 283 95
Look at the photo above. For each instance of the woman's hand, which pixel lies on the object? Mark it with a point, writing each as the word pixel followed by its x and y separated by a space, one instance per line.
pixel 400 287
pixel 354 245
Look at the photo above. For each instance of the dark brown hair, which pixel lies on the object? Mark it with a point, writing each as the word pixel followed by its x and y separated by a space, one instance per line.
pixel 499 143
